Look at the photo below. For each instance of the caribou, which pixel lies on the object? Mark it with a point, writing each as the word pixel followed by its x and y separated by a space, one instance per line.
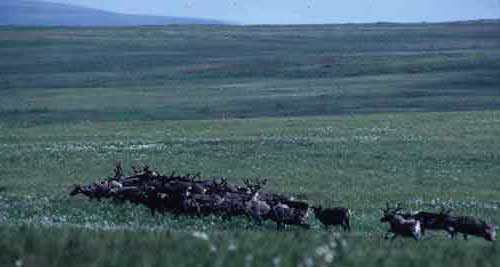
pixel 399 226
pixel 290 213
pixel 191 195
pixel 467 225
pixel 333 216
pixel 436 221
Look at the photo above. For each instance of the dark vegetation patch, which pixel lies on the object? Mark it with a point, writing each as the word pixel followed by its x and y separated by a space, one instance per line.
pixel 178 72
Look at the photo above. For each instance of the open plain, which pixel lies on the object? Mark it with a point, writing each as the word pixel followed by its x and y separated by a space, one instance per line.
pixel 353 115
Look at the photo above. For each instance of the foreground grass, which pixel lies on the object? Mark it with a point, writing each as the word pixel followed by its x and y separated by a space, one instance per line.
pixel 40 246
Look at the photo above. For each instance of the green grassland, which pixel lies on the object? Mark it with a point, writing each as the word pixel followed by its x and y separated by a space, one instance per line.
pixel 348 115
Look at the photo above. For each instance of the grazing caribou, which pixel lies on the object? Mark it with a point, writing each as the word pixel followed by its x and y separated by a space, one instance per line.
pixel 333 216
pixel 290 213
pixel 467 225
pixel 255 186
pixel 257 209
pixel 96 190
pixel 431 220
pixel 400 226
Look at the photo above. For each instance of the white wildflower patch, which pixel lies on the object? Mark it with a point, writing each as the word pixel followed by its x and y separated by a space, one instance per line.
pixel 414 138
pixel 69 147
pixel 324 130
pixel 200 235
pixel 249 260
pixel 232 246
pixel 367 138
pixel 484 121
pixel 147 147
pixel 326 253
pixel 276 261
pixel 383 129
pixel 298 140
pixel 470 203
pixel 308 262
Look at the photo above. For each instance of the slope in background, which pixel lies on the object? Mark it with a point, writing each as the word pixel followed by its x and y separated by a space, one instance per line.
pixel 37 13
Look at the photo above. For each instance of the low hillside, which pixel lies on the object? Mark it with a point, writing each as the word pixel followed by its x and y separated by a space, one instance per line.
pixel 214 72
pixel 38 13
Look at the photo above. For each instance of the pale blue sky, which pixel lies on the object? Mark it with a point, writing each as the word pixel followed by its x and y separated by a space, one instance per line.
pixel 306 11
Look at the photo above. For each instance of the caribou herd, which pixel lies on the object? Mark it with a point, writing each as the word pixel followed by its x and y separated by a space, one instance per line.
pixel 192 196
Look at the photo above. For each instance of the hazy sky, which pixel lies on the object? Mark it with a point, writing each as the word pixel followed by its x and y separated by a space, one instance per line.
pixel 306 11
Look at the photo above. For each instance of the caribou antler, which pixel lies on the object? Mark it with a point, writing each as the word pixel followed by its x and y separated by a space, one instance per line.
pixel 249 185
pixel 389 210
pixel 398 208
pixel 256 185
pixel 135 169
pixel 146 169
pixel 118 170
pixel 445 211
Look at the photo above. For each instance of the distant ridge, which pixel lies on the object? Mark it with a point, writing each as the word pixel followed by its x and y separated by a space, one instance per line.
pixel 39 13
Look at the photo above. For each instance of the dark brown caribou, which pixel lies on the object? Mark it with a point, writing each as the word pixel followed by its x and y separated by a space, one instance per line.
pixel 467 225
pixel 399 226
pixel 333 216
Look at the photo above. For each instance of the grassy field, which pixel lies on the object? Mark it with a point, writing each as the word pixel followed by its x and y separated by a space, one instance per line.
pixel 350 115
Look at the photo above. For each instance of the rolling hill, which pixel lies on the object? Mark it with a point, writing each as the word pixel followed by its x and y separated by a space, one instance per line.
pixel 356 115
pixel 38 13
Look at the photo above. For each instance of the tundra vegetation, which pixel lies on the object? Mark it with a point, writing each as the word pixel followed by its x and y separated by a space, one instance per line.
pixel 350 116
